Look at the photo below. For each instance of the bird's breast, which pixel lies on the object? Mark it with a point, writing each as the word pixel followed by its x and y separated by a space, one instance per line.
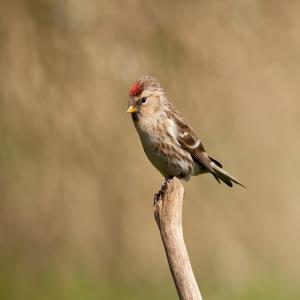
pixel 163 150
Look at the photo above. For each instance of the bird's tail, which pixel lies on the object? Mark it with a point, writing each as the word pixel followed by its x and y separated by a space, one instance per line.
pixel 222 174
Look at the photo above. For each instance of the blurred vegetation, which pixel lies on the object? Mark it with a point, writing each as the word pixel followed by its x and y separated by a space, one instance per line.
pixel 75 186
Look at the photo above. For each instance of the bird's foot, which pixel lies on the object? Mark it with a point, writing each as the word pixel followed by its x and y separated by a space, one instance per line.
pixel 165 183
pixel 158 196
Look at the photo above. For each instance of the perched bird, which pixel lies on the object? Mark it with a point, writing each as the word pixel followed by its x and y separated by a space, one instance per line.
pixel 168 141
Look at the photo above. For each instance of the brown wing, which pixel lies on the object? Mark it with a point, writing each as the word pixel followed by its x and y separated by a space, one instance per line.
pixel 189 141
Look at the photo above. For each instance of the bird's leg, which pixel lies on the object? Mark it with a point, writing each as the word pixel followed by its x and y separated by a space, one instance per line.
pixel 158 195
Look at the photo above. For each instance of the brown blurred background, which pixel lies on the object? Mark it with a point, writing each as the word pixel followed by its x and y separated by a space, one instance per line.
pixel 76 189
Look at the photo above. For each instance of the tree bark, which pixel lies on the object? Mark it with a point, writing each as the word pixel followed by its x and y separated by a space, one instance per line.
pixel 168 215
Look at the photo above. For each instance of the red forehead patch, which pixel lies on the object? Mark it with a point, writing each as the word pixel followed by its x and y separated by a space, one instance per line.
pixel 136 89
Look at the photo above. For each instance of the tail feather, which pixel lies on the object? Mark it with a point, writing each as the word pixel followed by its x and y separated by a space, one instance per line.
pixel 224 175
pixel 216 162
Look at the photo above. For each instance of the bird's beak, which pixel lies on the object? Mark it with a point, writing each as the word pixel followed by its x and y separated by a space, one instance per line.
pixel 132 109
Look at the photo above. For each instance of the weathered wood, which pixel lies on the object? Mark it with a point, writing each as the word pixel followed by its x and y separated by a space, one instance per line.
pixel 168 215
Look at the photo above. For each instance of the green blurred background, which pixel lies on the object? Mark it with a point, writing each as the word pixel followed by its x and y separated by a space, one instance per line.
pixel 76 219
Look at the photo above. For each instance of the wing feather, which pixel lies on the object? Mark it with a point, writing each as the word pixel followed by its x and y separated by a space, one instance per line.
pixel 189 141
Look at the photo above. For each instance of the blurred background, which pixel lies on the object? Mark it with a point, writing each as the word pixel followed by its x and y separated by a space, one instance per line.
pixel 76 189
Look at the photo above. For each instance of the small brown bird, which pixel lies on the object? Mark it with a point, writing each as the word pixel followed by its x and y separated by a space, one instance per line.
pixel 168 141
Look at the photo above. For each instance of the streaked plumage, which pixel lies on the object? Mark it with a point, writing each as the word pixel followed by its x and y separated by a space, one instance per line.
pixel 168 141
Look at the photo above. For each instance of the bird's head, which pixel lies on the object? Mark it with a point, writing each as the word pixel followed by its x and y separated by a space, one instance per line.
pixel 146 98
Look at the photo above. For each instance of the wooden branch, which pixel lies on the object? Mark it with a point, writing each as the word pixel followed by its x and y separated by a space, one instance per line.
pixel 168 215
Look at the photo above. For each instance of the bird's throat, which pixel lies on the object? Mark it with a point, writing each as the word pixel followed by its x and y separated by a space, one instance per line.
pixel 135 116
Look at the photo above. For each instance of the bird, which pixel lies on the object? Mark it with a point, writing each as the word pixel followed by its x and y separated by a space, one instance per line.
pixel 169 142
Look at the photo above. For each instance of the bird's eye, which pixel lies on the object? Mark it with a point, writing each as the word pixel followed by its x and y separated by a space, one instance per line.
pixel 144 99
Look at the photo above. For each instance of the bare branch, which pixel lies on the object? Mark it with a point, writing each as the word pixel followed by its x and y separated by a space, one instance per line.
pixel 168 215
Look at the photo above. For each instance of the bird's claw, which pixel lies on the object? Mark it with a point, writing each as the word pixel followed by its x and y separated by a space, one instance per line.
pixel 158 196
pixel 165 183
